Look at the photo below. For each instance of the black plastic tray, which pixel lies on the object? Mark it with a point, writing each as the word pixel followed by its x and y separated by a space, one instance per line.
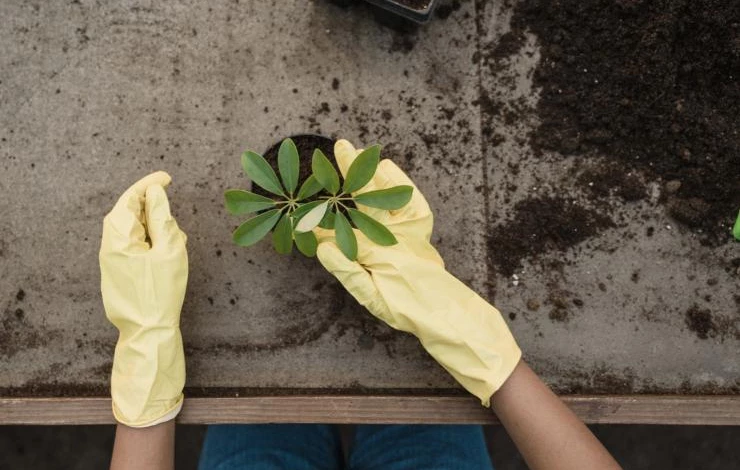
pixel 418 15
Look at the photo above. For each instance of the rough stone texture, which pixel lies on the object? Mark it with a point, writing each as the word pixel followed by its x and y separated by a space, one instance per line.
pixel 94 96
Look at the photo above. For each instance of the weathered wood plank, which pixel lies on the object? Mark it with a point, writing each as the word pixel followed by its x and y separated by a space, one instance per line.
pixel 602 409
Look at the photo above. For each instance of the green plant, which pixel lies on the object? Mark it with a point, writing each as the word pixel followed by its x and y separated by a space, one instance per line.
pixel 321 201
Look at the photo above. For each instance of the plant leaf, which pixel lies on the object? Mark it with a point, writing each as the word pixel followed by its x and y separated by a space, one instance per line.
pixel 282 236
pixel 362 169
pixel 324 172
pixel 389 199
pixel 241 202
pixel 372 229
pixel 307 243
pixel 289 164
pixel 303 209
pixel 309 187
pixel 261 173
pixel 309 221
pixel 252 231
pixel 345 237
pixel 328 221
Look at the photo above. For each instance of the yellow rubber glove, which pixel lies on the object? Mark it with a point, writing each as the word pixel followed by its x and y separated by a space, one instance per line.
pixel 143 275
pixel 407 286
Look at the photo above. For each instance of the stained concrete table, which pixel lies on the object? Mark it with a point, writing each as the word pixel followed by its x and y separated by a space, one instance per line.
pixel 93 97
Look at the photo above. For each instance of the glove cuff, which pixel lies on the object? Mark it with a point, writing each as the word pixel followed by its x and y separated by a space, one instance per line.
pixel 149 421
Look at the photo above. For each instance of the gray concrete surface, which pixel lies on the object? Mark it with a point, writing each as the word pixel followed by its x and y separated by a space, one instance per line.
pixel 94 96
pixel 635 447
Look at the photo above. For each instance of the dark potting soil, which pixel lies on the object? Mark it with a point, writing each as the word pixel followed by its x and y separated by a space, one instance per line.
pixel 654 85
pixel 306 144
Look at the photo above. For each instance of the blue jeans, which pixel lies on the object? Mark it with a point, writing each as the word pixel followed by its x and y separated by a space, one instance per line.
pixel 318 447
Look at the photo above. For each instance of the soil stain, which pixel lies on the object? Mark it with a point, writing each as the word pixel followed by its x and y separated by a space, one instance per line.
pixel 706 325
pixel 539 225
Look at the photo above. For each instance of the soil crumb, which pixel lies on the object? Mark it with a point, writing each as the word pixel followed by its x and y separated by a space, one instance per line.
pixel 539 225
pixel 653 85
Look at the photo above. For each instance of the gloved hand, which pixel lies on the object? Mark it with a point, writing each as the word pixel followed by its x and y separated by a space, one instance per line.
pixel 143 275
pixel 407 286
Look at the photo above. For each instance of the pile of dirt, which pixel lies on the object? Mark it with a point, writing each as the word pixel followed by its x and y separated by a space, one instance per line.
pixel 653 84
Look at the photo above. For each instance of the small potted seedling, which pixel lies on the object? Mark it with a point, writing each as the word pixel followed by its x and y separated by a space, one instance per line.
pixel 292 209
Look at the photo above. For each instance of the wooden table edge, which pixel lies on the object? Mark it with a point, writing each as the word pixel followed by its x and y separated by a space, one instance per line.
pixel 593 409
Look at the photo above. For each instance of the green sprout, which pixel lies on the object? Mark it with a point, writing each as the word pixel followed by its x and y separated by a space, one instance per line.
pixel 321 201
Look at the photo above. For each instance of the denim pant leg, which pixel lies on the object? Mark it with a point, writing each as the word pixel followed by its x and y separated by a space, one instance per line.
pixel 272 446
pixel 406 447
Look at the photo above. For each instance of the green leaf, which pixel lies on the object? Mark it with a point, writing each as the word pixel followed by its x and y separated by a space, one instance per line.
pixel 345 237
pixel 389 199
pixel 362 169
pixel 324 172
pixel 328 221
pixel 261 173
pixel 282 236
pixel 303 209
pixel 309 187
pixel 372 229
pixel 289 164
pixel 252 231
pixel 307 243
pixel 309 221
pixel 241 202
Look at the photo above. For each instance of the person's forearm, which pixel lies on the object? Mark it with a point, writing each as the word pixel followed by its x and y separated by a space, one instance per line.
pixel 546 432
pixel 151 448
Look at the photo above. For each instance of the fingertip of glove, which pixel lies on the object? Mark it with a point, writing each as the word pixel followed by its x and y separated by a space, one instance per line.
pixel 395 175
pixel 343 146
pixel 161 178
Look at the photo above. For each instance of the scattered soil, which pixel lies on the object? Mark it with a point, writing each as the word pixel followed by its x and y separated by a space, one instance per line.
pixel 653 85
pixel 17 334
pixel 539 225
